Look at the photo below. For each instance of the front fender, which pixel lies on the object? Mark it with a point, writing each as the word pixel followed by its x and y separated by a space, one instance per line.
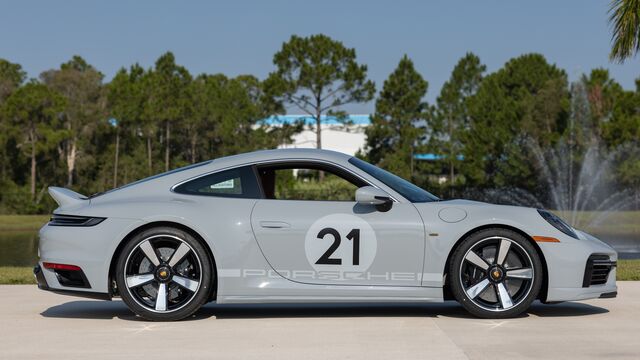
pixel 565 259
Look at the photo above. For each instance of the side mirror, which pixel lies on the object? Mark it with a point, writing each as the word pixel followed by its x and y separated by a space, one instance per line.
pixel 369 195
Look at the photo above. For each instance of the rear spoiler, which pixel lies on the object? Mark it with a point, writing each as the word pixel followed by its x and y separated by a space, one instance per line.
pixel 66 197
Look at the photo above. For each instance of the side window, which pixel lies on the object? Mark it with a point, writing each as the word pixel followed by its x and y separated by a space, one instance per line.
pixel 308 182
pixel 237 183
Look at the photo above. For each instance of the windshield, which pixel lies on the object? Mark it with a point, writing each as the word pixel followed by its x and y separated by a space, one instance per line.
pixel 401 186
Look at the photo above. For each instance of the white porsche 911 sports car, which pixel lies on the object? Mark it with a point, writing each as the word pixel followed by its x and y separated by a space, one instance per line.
pixel 245 229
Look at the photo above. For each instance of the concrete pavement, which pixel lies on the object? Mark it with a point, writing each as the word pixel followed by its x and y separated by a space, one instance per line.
pixel 39 325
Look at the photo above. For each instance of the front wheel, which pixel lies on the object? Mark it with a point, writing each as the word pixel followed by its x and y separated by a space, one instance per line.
pixel 164 274
pixel 496 273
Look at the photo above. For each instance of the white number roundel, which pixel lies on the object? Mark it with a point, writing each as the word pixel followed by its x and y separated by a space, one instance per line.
pixel 340 242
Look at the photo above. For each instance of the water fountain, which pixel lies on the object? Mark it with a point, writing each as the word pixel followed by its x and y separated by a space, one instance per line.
pixel 579 186
pixel 574 187
pixel 577 172
pixel 578 181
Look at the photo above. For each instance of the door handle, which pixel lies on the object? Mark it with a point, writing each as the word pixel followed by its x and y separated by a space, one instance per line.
pixel 274 224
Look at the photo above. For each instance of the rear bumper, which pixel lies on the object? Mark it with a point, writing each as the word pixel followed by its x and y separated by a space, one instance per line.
pixel 42 282
pixel 38 272
pixel 89 248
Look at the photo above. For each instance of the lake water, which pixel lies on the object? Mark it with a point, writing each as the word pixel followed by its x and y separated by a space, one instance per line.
pixel 20 248
pixel 627 246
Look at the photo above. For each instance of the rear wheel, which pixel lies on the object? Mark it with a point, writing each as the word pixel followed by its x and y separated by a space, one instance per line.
pixel 164 274
pixel 495 273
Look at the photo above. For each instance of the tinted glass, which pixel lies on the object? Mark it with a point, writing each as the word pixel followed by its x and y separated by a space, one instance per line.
pixel 411 192
pixel 239 183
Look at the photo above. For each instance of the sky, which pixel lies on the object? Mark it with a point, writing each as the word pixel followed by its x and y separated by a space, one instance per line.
pixel 240 37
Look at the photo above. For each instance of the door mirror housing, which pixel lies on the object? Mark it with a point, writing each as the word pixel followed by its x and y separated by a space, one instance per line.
pixel 369 195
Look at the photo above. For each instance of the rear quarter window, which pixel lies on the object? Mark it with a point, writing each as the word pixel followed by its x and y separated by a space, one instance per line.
pixel 234 183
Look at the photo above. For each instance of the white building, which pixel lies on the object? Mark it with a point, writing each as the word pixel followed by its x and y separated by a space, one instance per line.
pixel 346 139
pixel 336 136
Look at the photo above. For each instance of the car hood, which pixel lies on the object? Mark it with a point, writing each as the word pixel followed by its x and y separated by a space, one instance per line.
pixel 463 202
pixel 476 213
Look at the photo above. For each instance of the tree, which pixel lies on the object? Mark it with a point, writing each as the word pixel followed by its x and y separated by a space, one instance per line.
pixel 11 77
pixel 621 125
pixel 81 85
pixel 394 131
pixel 527 98
pixel 452 107
pixel 230 110
pixel 624 18
pixel 603 93
pixel 318 75
pixel 34 111
pixel 169 100
pixel 125 98
pixel 201 91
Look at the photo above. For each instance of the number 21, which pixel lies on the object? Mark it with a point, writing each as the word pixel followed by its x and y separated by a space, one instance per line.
pixel 353 235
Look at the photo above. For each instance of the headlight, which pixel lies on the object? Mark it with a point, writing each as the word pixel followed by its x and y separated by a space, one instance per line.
pixel 558 223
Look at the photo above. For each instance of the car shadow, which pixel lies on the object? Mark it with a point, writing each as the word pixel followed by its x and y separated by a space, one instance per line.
pixel 106 310
pixel 88 309
pixel 565 309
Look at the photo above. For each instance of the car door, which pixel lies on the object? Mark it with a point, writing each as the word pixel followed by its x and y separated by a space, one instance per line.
pixel 324 237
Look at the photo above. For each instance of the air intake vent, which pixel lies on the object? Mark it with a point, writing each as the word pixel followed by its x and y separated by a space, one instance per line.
pixel 597 270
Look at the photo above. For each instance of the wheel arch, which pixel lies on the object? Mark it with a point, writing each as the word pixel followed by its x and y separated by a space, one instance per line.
pixel 134 232
pixel 545 277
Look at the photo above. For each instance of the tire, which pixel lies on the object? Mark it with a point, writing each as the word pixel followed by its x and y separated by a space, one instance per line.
pixel 147 269
pixel 493 283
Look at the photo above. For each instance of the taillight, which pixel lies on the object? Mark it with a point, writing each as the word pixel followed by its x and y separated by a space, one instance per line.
pixel 67 267
pixel 68 275
pixel 73 220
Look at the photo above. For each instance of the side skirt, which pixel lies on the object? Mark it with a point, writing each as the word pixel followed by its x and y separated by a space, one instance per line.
pixel 380 294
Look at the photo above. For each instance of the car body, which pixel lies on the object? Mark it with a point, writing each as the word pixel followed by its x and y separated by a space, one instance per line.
pixel 271 250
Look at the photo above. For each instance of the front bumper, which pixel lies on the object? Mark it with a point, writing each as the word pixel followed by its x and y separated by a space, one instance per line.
pixel 580 269
pixel 597 270
pixel 609 295
pixel 38 272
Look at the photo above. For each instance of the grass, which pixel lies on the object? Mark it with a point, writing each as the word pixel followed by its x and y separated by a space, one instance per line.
pixel 12 275
pixel 22 222
pixel 628 270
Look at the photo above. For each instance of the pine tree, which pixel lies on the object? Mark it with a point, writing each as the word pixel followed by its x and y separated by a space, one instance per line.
pixel 452 111
pixel 395 129
pixel 317 75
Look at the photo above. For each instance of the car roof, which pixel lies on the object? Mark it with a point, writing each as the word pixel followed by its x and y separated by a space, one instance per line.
pixel 280 154
pixel 166 180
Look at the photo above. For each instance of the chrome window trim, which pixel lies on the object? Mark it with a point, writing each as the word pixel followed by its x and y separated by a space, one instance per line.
pixel 258 163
